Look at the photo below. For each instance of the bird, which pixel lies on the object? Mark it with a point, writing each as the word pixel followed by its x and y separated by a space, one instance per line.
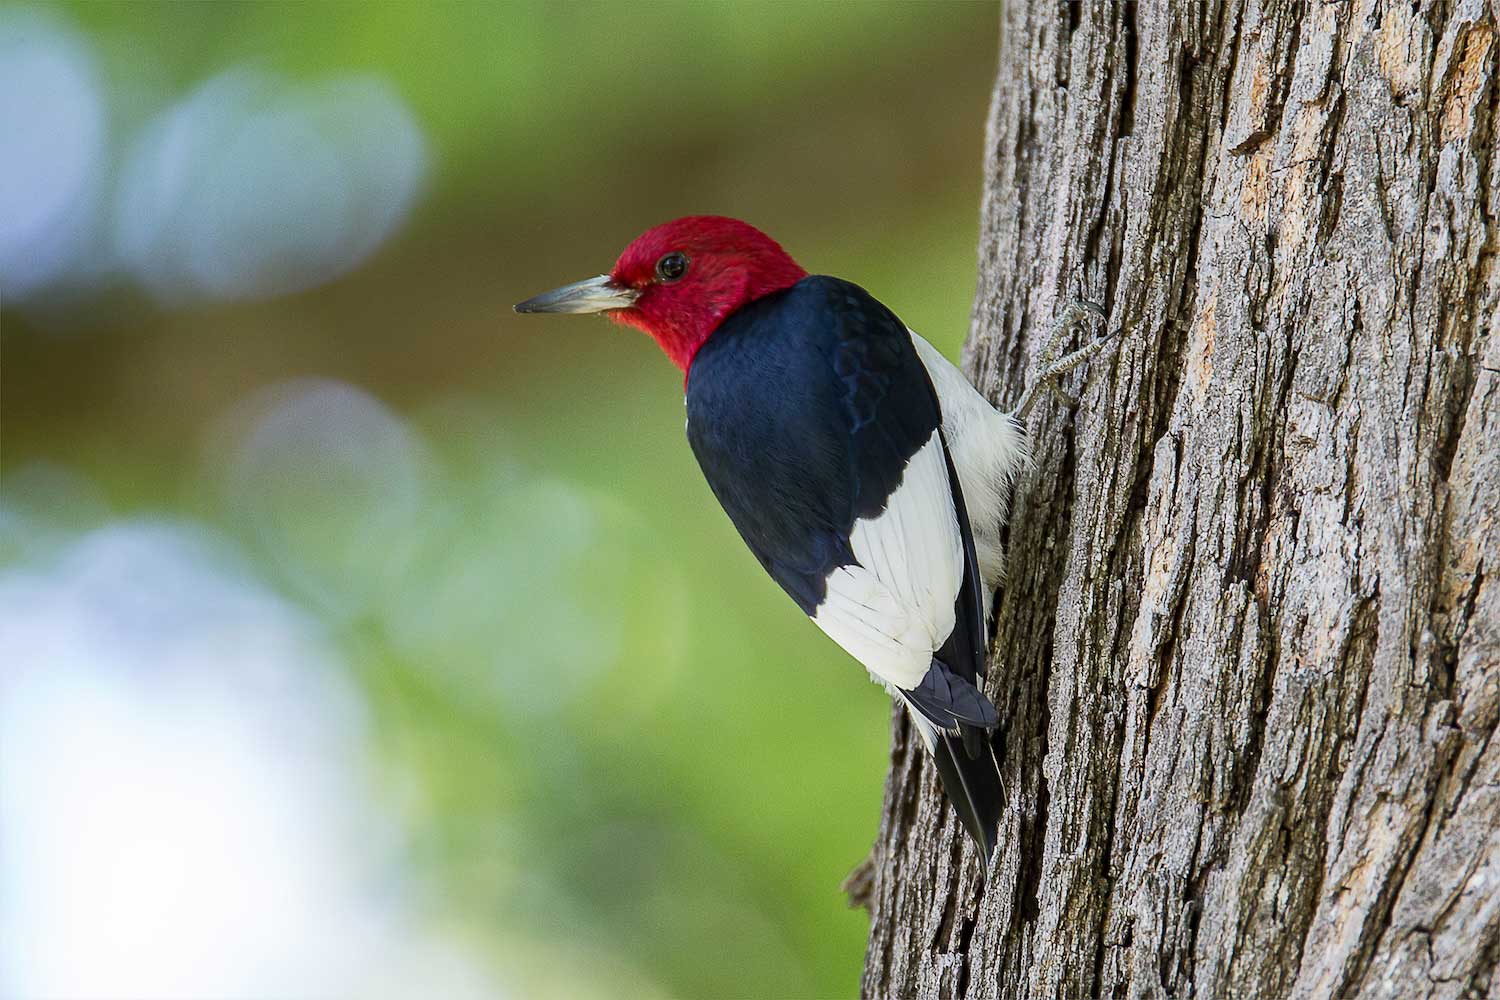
pixel 865 473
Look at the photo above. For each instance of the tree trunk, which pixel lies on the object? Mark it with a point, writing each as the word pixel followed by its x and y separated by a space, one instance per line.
pixel 1248 653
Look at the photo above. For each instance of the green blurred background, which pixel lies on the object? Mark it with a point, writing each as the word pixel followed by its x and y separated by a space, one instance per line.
pixel 604 754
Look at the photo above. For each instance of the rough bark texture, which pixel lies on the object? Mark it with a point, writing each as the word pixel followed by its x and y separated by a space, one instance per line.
pixel 1249 647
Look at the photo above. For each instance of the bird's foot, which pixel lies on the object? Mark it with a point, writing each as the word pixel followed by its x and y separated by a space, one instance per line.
pixel 1051 367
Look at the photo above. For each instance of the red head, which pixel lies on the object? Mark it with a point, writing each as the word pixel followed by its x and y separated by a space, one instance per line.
pixel 680 280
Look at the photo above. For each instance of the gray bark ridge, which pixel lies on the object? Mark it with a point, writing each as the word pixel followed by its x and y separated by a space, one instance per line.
pixel 1248 651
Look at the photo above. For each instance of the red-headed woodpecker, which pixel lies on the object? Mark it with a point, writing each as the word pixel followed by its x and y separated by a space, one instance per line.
pixel 860 467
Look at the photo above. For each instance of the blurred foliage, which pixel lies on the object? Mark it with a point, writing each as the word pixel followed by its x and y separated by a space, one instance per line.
pixel 627 764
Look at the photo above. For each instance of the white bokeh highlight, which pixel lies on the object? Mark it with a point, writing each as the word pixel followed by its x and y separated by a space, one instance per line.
pixel 248 187
pixel 183 810
pixel 52 135
pixel 330 486
pixel 252 187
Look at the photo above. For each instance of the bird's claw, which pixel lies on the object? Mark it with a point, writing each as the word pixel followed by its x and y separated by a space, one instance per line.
pixel 1075 317
pixel 1092 307
pixel 1076 312
pixel 1052 367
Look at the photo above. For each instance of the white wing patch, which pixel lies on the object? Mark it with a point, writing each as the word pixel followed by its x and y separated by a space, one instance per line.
pixel 894 609
pixel 989 451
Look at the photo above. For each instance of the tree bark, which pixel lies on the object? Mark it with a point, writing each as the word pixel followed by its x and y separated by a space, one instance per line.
pixel 1248 652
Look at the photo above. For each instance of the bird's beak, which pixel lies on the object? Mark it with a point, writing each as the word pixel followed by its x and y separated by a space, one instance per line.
pixel 595 295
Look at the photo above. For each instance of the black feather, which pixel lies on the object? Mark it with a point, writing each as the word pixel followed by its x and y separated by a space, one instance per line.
pixel 974 787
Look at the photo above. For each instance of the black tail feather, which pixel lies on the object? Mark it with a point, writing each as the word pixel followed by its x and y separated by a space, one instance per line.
pixel 973 785
pixel 948 701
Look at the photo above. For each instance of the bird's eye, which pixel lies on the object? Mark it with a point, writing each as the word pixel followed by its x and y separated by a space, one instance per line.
pixel 671 267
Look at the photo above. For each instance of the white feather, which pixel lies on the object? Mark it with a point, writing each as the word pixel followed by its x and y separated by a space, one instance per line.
pixel 925 729
pixel 989 451
pixel 894 608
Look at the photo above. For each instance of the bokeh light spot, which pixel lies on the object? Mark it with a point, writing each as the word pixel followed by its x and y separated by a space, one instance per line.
pixel 252 187
pixel 52 125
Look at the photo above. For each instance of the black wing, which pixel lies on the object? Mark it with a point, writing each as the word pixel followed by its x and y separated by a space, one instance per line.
pixel 804 410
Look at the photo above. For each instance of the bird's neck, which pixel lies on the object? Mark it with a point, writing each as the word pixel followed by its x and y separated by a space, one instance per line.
pixel 682 336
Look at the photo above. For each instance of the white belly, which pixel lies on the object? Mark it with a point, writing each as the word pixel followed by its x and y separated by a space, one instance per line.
pixel 989 450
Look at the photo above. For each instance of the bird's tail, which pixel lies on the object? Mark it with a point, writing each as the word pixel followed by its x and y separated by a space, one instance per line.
pixel 970 771
pixel 973 786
